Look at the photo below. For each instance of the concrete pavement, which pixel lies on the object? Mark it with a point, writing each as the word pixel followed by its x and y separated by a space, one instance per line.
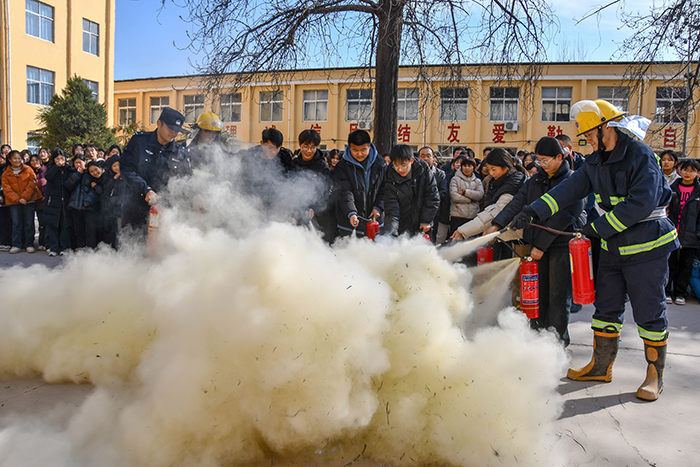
pixel 603 424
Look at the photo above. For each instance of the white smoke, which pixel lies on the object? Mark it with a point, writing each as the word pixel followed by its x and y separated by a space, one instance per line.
pixel 252 341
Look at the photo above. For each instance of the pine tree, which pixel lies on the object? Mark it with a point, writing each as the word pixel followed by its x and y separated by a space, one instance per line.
pixel 74 117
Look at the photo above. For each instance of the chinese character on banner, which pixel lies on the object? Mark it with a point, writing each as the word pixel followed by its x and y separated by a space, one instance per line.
pixel 554 131
pixel 499 131
pixel 353 127
pixel 316 127
pixel 670 138
pixel 559 131
pixel 404 134
pixel 232 129
pixel 454 133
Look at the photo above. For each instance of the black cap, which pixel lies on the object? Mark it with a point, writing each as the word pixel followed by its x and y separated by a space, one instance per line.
pixel 172 118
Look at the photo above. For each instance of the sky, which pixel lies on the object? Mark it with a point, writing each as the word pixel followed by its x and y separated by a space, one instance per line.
pixel 152 41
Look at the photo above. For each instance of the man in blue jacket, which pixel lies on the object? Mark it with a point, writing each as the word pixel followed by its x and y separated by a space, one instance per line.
pixel 636 239
pixel 359 183
pixel 148 161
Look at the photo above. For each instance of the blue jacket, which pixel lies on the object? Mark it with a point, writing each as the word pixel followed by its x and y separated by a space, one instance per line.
pixel 359 190
pixel 631 188
pixel 536 186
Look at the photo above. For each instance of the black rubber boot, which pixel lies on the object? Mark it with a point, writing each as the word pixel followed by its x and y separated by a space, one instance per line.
pixel 655 353
pixel 605 347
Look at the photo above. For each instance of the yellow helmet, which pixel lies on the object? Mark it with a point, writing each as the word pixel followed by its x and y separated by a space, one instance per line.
pixel 593 114
pixel 209 121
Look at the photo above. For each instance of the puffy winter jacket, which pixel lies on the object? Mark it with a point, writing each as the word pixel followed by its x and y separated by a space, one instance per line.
pixel 57 194
pixel 20 186
pixel 410 201
pixel 83 196
pixel 688 227
pixel 465 192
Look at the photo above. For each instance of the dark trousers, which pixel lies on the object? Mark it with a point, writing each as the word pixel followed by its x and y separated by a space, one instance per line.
pixel 93 228
pixel 680 263
pixel 78 227
pixel 58 236
pixel 22 224
pixel 42 227
pixel 5 226
pixel 555 292
pixel 644 283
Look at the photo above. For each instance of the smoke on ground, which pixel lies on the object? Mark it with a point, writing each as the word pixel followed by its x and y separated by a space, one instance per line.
pixel 252 342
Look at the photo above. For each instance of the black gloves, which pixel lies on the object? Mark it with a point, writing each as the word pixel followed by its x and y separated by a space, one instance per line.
pixel 589 232
pixel 522 220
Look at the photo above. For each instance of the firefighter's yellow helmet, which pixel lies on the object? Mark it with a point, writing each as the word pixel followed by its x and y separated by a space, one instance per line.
pixel 209 121
pixel 593 114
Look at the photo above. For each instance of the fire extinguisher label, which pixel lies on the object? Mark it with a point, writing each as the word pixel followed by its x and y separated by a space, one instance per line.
pixel 153 221
pixel 590 262
pixel 571 262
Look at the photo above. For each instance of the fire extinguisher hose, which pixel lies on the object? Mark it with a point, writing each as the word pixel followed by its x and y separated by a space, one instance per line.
pixel 558 232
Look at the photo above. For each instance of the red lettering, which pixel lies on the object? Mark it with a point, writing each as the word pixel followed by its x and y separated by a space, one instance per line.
pixel 404 134
pixel 670 138
pixel 499 131
pixel 454 133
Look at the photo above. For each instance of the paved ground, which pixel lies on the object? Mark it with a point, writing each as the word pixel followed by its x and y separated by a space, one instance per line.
pixel 602 424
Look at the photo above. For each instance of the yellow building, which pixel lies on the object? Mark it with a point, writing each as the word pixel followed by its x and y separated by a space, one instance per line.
pixel 42 44
pixel 476 112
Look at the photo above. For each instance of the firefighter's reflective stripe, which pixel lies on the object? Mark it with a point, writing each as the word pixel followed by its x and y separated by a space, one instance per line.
pixel 648 246
pixel 604 244
pixel 551 203
pixel 614 222
pixel 652 335
pixel 598 198
pixel 599 325
pixel 614 200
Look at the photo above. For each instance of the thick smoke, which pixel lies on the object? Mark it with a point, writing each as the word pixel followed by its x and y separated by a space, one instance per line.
pixel 250 341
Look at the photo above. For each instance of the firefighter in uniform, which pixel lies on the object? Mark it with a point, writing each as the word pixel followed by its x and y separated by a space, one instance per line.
pixel 636 239
pixel 205 144
pixel 147 163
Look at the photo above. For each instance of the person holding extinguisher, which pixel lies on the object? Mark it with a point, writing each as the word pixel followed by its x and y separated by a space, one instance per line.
pixel 636 237
pixel 550 250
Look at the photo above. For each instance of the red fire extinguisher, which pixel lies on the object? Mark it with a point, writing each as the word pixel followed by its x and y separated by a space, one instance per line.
pixel 581 270
pixel 484 255
pixel 372 229
pixel 529 288
pixel 152 239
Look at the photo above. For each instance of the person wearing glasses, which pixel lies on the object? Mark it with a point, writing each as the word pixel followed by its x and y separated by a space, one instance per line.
pixel 550 250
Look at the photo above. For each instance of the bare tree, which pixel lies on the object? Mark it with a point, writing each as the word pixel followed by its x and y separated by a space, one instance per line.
pixel 274 37
pixel 670 32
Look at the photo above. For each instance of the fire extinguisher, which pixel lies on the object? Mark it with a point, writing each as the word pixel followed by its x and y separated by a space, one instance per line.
pixel 529 288
pixel 581 270
pixel 152 239
pixel 484 255
pixel 372 229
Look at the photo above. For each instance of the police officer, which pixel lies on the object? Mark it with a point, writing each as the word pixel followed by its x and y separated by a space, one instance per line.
pixel 147 163
pixel 636 239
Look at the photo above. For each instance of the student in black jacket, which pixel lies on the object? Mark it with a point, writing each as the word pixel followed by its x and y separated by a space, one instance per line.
pixel 684 212
pixel 56 203
pixel 550 250
pixel 411 198
pixel 359 181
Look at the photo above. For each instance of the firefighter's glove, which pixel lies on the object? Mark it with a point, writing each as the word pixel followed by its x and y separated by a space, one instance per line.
pixel 523 219
pixel 589 231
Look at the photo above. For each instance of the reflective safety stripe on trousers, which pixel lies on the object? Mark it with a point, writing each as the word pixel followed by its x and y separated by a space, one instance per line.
pixel 599 325
pixel 643 247
pixel 652 335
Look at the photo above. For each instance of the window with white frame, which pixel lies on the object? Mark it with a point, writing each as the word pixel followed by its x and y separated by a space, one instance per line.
pixel 94 87
pixel 359 105
pixel 231 107
pixel 556 104
pixel 40 85
pixel 271 106
pixel 127 111
pixel 194 107
pixel 39 20
pixel 670 105
pixel 617 96
pixel 454 104
pixel 91 37
pixel 157 106
pixel 33 143
pixel 315 106
pixel 407 104
pixel 504 104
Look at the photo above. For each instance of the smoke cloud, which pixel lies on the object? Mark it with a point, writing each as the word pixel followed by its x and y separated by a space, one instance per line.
pixel 251 341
